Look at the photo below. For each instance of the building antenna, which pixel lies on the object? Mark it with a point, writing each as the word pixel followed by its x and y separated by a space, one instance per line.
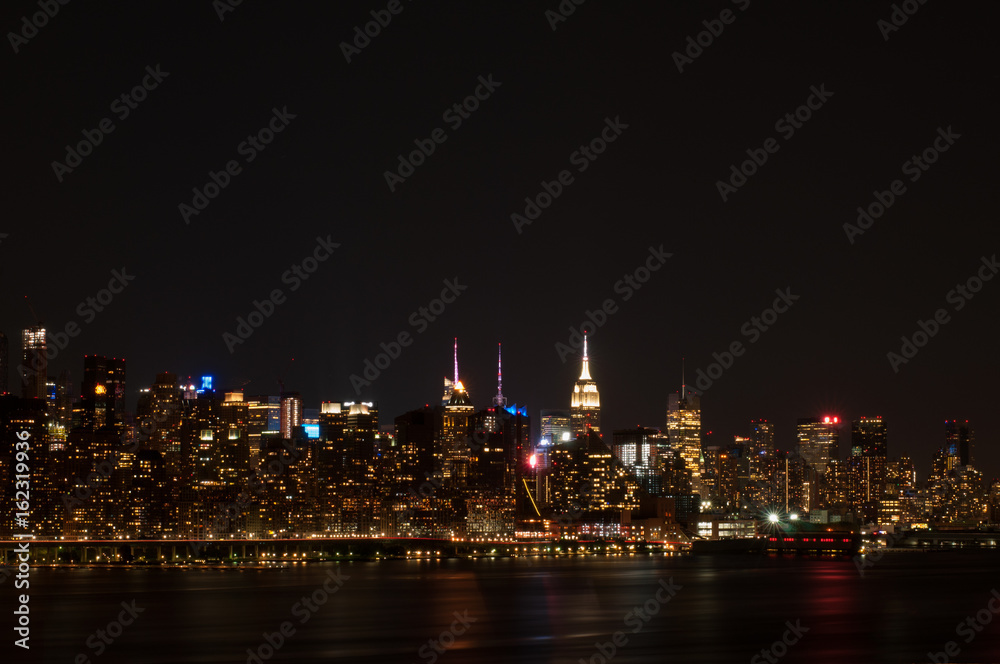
pixel 456 360
pixel 500 399
pixel 585 364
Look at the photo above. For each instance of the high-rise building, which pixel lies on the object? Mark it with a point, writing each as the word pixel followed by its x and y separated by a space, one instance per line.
pixel 637 449
pixel 762 438
pixel 102 400
pixel 146 510
pixel 234 440
pixel 160 408
pixel 449 387
pixel 819 441
pixel 265 419
pixel 556 427
pixel 291 413
pixel 959 438
pixel 46 506
pixel 500 478
pixel 585 403
pixel 868 462
pixel 34 362
pixel 684 431
pixel 416 432
pixel 868 437
pixel 63 412
pixel 453 450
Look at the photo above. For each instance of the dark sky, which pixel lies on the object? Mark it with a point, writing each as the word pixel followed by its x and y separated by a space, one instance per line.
pixel 323 176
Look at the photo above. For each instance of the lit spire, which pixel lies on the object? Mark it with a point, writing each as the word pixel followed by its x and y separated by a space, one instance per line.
pixel 456 360
pixel 585 371
pixel 499 399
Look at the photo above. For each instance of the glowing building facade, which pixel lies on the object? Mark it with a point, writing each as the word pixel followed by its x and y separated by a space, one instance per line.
pixel 819 441
pixel 585 403
pixel 684 432
pixel 34 364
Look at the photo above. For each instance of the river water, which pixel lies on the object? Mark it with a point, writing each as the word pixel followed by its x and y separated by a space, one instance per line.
pixel 707 609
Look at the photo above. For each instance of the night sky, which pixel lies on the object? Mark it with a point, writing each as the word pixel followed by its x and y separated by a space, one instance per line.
pixel 551 93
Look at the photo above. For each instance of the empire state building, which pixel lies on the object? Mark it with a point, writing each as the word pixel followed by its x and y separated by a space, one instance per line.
pixel 585 404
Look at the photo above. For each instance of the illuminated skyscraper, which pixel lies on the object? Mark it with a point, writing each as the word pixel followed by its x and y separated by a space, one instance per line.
pixel 34 363
pixel 585 404
pixel 291 413
pixel 762 438
pixel 146 509
pixel 868 437
pixel 868 460
pixel 63 413
pixel 637 449
pixel 819 441
pixel 160 408
pixel 959 437
pixel 347 467
pixel 684 431
pixel 234 440
pixel 102 398
pixel 452 450
pixel 556 427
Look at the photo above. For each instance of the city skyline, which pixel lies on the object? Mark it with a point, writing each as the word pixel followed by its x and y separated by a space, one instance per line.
pixel 701 437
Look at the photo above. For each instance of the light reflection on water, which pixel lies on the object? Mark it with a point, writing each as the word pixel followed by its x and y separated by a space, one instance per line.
pixel 527 610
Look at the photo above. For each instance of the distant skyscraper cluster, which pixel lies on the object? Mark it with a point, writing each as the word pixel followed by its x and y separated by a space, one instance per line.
pixel 194 461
